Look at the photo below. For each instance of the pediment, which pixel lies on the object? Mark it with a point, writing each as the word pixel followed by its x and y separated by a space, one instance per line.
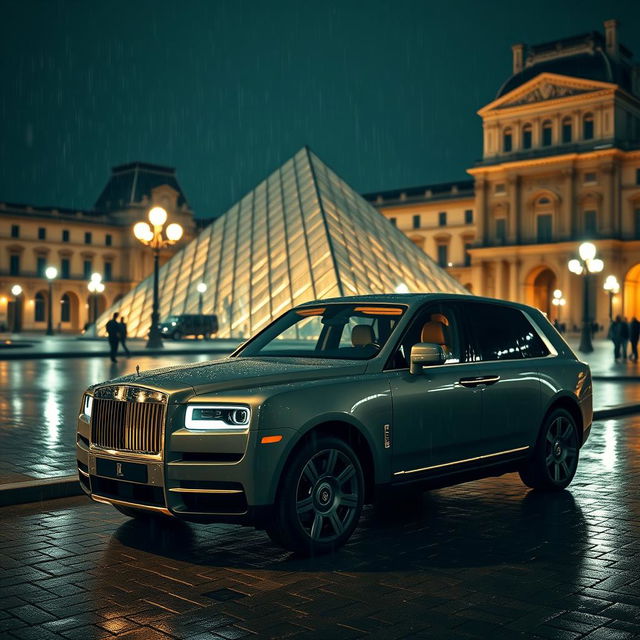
pixel 544 88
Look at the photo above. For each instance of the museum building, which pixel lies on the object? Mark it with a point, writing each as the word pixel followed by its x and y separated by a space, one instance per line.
pixel 79 243
pixel 560 164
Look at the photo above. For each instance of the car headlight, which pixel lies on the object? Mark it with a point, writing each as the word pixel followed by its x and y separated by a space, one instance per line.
pixel 87 404
pixel 218 416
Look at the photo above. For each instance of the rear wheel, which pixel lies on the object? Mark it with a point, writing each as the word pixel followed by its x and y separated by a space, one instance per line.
pixel 176 335
pixel 320 498
pixel 555 459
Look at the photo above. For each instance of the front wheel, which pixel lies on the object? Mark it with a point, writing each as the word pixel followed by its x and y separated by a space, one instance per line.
pixel 320 498
pixel 555 458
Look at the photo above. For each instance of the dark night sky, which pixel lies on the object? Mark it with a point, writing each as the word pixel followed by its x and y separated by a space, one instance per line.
pixel 225 91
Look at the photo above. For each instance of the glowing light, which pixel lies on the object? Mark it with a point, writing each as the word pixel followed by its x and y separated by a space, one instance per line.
pixel 16 290
pixel 202 287
pixel 587 251
pixel 96 277
pixel 557 293
pixel 51 273
pixel 575 266
pixel 174 232
pixel 595 266
pixel 157 216
pixel 402 288
pixel 142 231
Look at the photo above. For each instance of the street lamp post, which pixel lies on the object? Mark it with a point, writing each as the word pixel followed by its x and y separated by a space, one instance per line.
pixel 156 238
pixel 202 287
pixel 52 274
pixel 584 266
pixel 95 287
pixel 16 291
pixel 612 287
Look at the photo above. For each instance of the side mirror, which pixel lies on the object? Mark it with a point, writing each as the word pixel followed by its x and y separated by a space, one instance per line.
pixel 425 354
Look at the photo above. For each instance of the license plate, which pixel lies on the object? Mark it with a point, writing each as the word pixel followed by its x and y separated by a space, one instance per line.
pixel 129 471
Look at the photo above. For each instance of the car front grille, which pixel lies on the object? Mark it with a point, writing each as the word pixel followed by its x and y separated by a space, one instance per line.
pixel 128 424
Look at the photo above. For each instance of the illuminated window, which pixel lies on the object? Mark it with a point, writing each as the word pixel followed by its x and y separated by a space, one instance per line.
pixel 547 134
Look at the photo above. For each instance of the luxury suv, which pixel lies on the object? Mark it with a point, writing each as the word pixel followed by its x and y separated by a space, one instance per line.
pixel 301 426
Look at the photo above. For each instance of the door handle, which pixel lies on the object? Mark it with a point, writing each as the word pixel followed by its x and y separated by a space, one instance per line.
pixel 474 382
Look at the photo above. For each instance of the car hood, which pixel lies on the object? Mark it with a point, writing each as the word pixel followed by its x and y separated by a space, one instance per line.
pixel 239 373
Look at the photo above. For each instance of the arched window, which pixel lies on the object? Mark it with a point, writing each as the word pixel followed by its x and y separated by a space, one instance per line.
pixel 507 141
pixel 547 133
pixel 527 136
pixel 543 200
pixel 587 127
pixel 567 131
pixel 65 308
pixel 38 309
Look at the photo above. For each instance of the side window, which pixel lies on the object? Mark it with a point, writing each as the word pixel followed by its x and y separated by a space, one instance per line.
pixel 436 323
pixel 501 333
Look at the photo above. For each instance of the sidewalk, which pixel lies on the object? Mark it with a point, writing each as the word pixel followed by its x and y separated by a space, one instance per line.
pixel 35 346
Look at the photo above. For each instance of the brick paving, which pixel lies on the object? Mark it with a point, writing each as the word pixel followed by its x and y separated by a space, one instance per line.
pixel 489 559
pixel 39 401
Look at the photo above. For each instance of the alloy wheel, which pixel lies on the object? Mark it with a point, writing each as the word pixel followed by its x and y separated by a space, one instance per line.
pixel 561 450
pixel 327 495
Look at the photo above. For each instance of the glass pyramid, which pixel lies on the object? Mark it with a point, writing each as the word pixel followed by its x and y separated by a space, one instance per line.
pixel 301 234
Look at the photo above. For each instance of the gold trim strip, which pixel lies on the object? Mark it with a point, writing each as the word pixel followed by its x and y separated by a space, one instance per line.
pixel 449 464
pixel 84 473
pixel 135 505
pixel 184 490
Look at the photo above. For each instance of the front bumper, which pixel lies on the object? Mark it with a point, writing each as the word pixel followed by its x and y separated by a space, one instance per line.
pixel 213 477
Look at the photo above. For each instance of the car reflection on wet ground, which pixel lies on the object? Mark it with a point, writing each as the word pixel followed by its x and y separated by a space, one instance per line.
pixel 488 559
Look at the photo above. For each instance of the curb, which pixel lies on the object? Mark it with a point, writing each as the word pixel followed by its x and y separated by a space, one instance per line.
pixel 39 490
pixel 614 412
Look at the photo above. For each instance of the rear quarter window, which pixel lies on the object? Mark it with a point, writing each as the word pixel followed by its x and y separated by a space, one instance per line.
pixel 501 333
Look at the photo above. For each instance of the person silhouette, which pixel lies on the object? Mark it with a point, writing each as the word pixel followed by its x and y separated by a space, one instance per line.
pixel 113 335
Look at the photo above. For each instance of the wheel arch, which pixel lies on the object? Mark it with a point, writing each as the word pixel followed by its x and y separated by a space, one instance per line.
pixel 569 404
pixel 344 430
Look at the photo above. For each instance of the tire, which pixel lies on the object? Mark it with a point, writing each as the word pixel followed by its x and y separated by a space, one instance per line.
pixel 320 498
pixel 555 458
pixel 176 335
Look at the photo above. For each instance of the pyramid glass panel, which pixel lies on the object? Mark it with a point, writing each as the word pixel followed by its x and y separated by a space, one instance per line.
pixel 300 235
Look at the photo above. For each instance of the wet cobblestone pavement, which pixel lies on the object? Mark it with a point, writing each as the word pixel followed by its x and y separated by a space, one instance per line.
pixel 488 559
pixel 39 401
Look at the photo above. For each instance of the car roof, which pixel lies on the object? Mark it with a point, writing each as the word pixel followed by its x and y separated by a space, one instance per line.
pixel 415 299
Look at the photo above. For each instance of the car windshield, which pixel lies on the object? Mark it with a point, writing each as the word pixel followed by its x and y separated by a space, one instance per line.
pixel 171 319
pixel 346 331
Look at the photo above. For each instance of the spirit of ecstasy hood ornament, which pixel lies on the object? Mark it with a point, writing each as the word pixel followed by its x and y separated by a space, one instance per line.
pixel 138 370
